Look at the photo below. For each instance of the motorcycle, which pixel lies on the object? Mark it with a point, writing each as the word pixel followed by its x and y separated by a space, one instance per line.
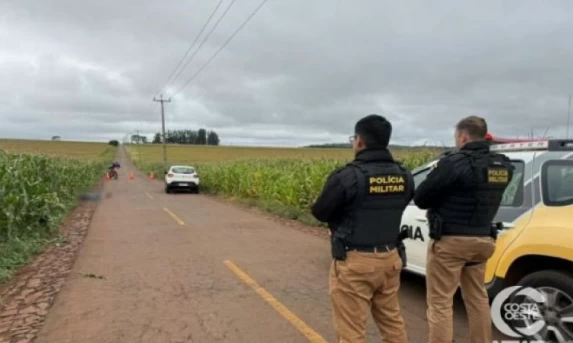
pixel 112 173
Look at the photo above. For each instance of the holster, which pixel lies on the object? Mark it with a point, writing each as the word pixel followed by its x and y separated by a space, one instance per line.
pixel 494 228
pixel 401 247
pixel 436 226
pixel 338 243
pixel 338 249
pixel 402 253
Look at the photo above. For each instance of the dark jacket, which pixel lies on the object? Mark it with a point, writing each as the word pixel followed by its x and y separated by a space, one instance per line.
pixel 458 191
pixel 340 187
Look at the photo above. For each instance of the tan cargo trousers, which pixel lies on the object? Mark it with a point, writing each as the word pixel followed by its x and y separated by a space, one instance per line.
pixel 445 269
pixel 367 282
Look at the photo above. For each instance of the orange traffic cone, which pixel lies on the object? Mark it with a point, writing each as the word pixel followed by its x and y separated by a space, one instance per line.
pixel 131 176
pixel 107 178
pixel 152 176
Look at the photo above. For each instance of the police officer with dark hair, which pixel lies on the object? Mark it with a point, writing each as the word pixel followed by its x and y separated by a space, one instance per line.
pixel 462 194
pixel 363 204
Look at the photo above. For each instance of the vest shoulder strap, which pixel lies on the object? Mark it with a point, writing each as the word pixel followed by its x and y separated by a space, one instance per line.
pixel 359 172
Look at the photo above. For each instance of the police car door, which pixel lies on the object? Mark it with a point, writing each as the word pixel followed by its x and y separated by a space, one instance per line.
pixel 414 220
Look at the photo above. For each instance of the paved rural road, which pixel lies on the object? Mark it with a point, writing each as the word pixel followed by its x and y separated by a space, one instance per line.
pixel 190 268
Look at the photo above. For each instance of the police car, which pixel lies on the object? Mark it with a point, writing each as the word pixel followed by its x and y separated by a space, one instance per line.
pixel 181 178
pixel 535 246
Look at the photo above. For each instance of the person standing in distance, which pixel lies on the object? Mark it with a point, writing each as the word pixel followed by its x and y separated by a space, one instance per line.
pixel 462 195
pixel 363 203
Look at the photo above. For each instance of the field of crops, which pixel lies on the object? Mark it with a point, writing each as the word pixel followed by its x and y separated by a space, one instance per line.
pixel 79 150
pixel 283 181
pixel 37 189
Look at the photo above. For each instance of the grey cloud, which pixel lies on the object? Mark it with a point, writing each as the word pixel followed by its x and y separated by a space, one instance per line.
pixel 298 73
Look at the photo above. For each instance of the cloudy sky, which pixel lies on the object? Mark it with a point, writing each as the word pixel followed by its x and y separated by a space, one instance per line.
pixel 299 72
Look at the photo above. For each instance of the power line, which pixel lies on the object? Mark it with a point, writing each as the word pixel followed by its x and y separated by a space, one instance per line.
pixel 192 45
pixel 205 39
pixel 221 48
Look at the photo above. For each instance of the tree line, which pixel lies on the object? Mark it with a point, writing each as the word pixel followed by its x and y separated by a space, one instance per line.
pixel 189 137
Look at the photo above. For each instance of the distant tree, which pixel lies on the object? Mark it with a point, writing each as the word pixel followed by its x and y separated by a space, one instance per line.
pixel 56 138
pixel 114 143
pixel 212 138
pixel 201 137
pixel 193 136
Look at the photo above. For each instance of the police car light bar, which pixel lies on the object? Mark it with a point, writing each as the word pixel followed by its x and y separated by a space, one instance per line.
pixel 531 145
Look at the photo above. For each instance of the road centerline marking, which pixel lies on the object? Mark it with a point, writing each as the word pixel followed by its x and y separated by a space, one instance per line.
pixel 174 216
pixel 149 195
pixel 306 330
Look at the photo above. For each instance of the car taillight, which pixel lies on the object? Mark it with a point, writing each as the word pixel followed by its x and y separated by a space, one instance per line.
pixel 170 175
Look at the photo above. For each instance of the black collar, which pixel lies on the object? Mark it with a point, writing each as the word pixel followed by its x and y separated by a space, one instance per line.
pixel 476 146
pixel 367 155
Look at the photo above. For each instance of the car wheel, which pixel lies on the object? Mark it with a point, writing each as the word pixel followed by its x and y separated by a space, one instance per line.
pixel 556 310
pixel 167 190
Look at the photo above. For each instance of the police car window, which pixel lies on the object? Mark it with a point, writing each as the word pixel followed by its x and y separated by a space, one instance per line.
pixel 558 183
pixel 421 176
pixel 513 195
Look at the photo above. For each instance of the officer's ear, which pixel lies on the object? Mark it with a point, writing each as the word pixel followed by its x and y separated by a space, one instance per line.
pixel 359 142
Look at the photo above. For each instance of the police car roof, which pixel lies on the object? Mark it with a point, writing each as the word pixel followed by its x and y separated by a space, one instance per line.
pixel 534 145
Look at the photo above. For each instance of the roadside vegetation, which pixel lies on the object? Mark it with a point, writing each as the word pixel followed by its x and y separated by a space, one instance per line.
pixel 39 183
pixel 281 181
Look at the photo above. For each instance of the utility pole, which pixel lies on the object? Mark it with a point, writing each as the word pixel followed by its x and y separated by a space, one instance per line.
pixel 163 128
pixel 568 117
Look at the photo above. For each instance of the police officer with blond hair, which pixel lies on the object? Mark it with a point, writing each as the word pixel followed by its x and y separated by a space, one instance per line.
pixel 363 203
pixel 462 194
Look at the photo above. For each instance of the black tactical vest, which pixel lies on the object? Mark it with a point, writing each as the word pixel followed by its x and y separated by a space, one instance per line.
pixel 469 207
pixel 375 215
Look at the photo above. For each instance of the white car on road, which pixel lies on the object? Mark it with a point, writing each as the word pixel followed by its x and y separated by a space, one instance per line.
pixel 181 178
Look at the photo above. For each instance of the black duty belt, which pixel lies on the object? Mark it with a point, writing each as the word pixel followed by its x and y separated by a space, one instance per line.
pixel 373 249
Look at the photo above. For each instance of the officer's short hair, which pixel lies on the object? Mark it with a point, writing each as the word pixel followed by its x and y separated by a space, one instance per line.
pixel 474 126
pixel 375 130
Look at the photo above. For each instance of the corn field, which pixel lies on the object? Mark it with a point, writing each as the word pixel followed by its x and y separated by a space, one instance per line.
pixel 36 191
pixel 288 182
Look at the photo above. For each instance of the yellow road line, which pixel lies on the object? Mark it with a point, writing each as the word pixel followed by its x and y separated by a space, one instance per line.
pixel 174 216
pixel 280 308
pixel 149 196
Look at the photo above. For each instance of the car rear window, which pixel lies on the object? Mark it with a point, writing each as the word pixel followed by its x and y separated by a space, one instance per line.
pixel 182 170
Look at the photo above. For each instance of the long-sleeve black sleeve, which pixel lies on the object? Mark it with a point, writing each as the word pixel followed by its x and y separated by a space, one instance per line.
pixel 429 192
pixel 330 200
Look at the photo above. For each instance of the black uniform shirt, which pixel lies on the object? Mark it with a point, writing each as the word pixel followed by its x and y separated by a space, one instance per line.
pixel 452 170
pixel 340 187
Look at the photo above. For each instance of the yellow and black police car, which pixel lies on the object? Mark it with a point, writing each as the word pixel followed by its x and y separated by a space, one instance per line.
pixel 535 246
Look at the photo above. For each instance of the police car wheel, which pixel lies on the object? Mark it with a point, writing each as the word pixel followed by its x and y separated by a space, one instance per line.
pixel 167 190
pixel 556 311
